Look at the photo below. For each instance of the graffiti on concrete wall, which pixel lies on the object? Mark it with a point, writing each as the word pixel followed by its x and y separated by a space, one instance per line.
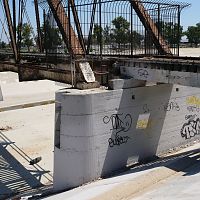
pixel 171 105
pixel 143 73
pixel 193 103
pixel 191 128
pixel 120 124
pixel 193 109
pixel 193 100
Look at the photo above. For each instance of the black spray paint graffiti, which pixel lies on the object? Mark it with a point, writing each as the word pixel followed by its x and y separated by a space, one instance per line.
pixel 119 124
pixel 191 128
pixel 143 73
pixel 118 140
pixel 146 108
pixel 171 105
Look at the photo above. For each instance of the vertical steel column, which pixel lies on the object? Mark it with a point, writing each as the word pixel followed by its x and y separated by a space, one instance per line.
pixel 101 43
pixel 19 30
pixel 14 19
pixel 69 29
pixel 131 31
pixel 159 22
pixel 179 23
pixel 11 31
pixel 39 39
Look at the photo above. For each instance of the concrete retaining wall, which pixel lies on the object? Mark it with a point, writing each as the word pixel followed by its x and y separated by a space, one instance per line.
pixel 98 132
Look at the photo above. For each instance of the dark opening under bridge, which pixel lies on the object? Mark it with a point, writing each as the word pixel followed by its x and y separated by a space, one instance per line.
pixel 136 35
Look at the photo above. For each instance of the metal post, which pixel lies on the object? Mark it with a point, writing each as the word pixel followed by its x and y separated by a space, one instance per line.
pixel 131 31
pixel 45 35
pixel 11 31
pixel 158 22
pixel 14 19
pixel 69 29
pixel 101 43
pixel 39 39
pixel 19 24
pixel 179 23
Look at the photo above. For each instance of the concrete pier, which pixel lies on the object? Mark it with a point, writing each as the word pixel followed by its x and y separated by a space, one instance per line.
pixel 100 131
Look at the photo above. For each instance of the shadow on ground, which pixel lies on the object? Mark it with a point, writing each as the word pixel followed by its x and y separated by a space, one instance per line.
pixel 180 162
pixel 14 177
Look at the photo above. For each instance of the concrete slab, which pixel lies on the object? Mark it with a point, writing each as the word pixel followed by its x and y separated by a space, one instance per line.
pixel 26 134
pixel 184 186
pixel 194 52
pixel 151 173
pixel 17 93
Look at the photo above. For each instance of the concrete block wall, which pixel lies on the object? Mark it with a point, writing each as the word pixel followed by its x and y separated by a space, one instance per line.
pixel 100 131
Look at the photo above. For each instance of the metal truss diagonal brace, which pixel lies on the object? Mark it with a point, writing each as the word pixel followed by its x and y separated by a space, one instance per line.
pixel 150 26
pixel 11 30
pixel 69 36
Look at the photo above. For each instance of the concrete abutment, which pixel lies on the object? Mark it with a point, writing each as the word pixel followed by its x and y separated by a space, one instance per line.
pixel 100 131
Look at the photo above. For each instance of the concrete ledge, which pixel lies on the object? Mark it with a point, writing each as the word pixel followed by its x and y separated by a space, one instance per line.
pixel 115 84
pixel 26 105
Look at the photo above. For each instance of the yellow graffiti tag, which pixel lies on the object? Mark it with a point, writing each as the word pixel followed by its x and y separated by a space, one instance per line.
pixel 193 100
pixel 142 124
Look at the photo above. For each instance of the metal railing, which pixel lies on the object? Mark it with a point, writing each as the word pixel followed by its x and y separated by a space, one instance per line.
pixel 112 27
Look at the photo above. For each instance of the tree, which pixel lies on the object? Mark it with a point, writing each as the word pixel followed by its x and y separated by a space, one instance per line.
pixel 97 33
pixel 137 38
pixel 2 45
pixel 51 37
pixel 193 34
pixel 171 32
pixel 121 32
pixel 106 34
pixel 27 36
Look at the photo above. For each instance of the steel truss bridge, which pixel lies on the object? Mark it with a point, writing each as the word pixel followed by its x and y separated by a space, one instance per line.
pixel 132 33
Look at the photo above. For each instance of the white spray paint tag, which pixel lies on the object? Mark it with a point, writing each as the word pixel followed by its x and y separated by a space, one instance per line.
pixel 87 72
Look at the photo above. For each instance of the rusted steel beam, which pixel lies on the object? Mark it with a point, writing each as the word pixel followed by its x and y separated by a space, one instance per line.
pixel 150 26
pixel 91 25
pixel 11 30
pixel 39 39
pixel 78 26
pixel 69 36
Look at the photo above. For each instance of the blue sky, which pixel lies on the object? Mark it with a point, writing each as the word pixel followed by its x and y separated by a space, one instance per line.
pixel 190 16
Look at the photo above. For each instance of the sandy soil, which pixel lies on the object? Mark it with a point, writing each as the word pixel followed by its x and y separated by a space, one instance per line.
pixel 191 52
